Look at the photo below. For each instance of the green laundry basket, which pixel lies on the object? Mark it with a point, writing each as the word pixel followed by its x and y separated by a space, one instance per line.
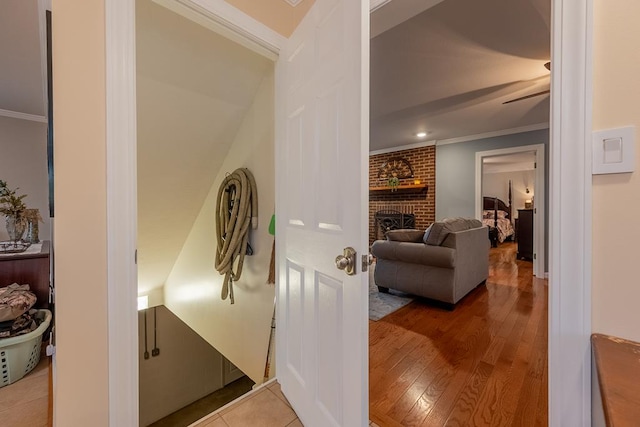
pixel 19 355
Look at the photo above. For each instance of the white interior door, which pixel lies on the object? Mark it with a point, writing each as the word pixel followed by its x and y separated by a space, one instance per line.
pixel 322 127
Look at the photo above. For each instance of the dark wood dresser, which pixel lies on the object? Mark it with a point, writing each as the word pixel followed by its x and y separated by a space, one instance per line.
pixel 32 269
pixel 525 234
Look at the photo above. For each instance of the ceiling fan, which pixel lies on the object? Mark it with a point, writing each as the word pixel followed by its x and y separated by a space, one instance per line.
pixel 532 95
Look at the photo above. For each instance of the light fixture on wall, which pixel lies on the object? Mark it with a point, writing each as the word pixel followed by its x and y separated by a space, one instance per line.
pixel 527 190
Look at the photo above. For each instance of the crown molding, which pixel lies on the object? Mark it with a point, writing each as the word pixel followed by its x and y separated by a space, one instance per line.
pixel 22 116
pixel 403 147
pixel 467 138
pixel 485 135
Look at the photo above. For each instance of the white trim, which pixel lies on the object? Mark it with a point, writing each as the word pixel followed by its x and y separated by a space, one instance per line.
pixel 293 3
pixel 466 138
pixel 122 285
pixel 494 134
pixel 226 20
pixel 570 218
pixel 403 147
pixel 377 4
pixel 539 226
pixel 23 116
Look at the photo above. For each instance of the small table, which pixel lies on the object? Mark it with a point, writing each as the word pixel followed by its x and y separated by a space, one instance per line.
pixel 618 366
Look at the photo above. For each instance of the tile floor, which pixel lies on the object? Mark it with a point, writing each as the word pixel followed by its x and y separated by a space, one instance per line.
pixel 267 407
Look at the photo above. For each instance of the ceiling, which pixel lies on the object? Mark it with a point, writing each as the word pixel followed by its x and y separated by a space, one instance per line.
pixel 524 161
pixel 447 70
pixel 22 82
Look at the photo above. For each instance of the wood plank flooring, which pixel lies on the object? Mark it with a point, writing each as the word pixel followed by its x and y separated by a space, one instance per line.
pixel 482 364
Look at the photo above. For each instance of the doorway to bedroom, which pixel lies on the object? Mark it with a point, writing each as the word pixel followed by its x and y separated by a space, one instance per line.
pixel 511 199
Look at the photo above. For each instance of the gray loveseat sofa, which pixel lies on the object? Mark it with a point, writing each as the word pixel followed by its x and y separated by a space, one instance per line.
pixel 444 265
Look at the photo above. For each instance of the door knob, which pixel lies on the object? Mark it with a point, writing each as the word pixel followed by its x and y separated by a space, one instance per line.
pixel 347 261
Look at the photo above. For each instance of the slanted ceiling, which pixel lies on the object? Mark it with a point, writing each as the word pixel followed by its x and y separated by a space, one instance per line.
pixel 193 90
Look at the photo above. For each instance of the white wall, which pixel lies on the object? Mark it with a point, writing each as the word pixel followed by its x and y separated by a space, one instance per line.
pixel 186 369
pixel 497 185
pixel 23 163
pixel 192 291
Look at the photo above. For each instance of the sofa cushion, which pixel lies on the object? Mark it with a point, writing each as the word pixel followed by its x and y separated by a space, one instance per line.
pixel 441 229
pixel 405 235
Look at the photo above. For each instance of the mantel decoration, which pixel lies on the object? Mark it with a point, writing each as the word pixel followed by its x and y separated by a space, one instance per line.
pixel 393 170
pixel 13 208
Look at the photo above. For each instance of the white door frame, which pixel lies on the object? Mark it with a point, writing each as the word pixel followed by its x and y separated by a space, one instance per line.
pixel 570 219
pixel 539 247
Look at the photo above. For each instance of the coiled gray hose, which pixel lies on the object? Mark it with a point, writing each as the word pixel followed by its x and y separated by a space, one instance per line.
pixel 237 209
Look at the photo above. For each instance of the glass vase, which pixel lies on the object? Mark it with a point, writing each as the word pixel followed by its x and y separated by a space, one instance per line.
pixel 33 218
pixel 15 227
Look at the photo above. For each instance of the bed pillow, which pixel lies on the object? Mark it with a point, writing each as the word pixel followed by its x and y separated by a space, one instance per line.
pixel 489 214
pixel 405 235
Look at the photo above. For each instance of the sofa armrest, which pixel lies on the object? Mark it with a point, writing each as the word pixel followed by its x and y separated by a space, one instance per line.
pixel 414 253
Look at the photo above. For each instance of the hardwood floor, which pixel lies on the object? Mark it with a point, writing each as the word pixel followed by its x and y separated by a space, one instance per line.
pixel 482 364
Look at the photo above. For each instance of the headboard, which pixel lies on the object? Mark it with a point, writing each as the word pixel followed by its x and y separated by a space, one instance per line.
pixel 495 204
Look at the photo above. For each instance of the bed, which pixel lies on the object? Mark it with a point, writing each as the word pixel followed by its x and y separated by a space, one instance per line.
pixel 497 215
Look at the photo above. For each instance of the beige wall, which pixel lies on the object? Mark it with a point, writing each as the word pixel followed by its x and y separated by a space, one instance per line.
pixel 192 291
pixel 23 163
pixel 81 391
pixel 275 14
pixel 186 369
pixel 616 198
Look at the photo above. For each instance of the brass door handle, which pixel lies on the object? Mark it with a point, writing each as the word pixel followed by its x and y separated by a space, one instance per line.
pixel 347 261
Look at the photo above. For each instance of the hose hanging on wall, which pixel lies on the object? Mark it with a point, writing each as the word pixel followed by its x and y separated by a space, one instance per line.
pixel 236 209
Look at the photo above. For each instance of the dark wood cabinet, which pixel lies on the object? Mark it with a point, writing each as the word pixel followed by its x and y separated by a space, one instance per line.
pixel 525 234
pixel 30 268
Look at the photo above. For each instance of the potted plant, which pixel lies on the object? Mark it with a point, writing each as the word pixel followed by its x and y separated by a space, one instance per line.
pixel 393 182
pixel 12 206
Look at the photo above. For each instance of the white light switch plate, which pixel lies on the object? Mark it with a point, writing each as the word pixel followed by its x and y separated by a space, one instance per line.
pixel 614 150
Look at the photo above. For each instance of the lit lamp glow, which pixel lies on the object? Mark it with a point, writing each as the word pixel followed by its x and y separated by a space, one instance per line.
pixel 143 302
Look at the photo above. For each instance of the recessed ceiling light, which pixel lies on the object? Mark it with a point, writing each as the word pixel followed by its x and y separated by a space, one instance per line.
pixel 421 134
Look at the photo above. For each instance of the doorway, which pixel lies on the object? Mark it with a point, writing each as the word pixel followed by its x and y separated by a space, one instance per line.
pixel 434 103
pixel 205 108
pixel 571 125
pixel 526 167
